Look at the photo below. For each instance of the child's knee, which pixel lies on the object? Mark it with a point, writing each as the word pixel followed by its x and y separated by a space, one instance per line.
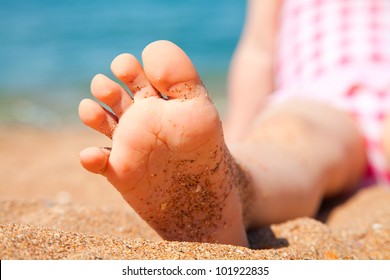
pixel 284 128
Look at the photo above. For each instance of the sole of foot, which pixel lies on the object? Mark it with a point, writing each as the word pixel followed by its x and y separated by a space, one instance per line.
pixel 168 158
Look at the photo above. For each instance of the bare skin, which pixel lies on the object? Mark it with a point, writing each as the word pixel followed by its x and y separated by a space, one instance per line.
pixel 386 137
pixel 251 73
pixel 170 162
pixel 168 157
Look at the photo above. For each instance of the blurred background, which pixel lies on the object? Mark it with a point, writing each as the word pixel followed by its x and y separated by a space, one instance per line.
pixel 50 50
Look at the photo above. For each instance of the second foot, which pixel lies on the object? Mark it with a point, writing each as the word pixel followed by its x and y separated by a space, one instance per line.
pixel 168 157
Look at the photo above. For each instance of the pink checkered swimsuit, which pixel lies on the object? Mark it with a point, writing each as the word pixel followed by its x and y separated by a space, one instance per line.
pixel 338 51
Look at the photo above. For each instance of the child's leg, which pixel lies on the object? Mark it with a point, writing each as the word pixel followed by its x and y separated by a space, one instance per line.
pixel 170 163
pixel 386 137
pixel 251 75
pixel 297 154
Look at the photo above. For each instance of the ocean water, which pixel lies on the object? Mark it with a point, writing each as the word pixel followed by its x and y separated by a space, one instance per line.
pixel 50 50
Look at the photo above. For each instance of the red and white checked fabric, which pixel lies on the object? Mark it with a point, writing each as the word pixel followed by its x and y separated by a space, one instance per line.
pixel 338 51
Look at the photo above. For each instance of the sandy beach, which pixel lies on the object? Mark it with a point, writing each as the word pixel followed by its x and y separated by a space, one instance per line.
pixel 50 208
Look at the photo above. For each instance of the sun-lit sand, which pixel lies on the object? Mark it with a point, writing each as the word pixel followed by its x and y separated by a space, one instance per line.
pixel 50 208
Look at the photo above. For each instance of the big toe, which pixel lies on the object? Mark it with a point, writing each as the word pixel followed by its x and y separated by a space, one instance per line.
pixel 171 71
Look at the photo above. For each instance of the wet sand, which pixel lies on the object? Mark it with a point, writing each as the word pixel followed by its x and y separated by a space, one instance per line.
pixel 50 208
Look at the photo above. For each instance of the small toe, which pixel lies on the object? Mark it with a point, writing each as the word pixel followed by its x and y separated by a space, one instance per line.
pixel 111 94
pixel 171 71
pixel 94 159
pixel 127 69
pixel 96 117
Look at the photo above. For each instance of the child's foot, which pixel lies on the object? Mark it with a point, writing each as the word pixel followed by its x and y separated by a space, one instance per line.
pixel 168 157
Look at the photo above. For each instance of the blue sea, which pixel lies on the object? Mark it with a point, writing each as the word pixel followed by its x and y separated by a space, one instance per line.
pixel 50 50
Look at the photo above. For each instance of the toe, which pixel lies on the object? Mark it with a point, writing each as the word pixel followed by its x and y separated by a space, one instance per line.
pixel 111 94
pixel 96 117
pixel 127 69
pixel 94 159
pixel 171 71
